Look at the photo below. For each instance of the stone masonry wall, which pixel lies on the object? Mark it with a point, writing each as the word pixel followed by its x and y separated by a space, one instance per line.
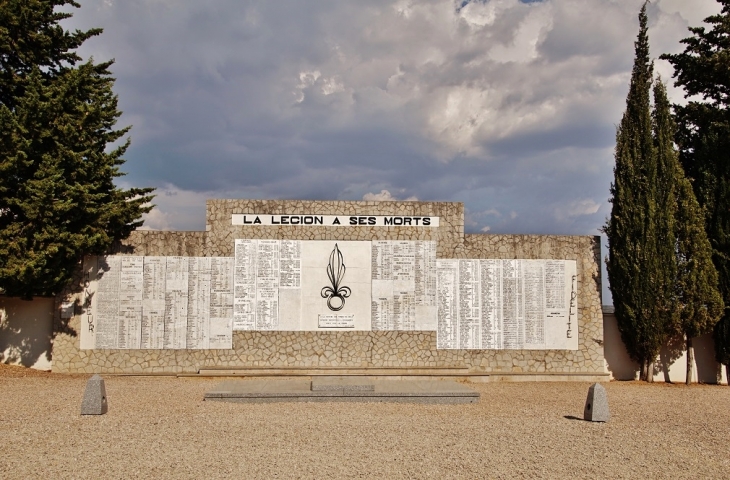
pixel 221 234
pixel 586 251
pixel 404 350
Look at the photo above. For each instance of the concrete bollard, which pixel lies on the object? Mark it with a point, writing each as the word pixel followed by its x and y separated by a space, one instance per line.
pixel 596 408
pixel 94 402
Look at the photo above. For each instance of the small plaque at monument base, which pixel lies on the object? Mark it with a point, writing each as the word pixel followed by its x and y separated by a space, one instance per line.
pixel 67 310
pixel 336 321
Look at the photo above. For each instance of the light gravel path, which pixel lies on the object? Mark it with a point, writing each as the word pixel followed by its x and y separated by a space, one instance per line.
pixel 160 427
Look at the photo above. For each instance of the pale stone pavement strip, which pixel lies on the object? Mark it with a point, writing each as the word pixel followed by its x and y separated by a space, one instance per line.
pixel 160 427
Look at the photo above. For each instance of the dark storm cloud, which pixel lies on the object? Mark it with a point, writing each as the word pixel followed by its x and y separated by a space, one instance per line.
pixel 509 106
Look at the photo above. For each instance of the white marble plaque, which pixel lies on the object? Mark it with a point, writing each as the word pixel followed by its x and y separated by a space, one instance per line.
pixel 336 279
pixel 507 304
pixel 107 301
pixel 176 303
pixel 533 280
pixel 290 285
pixel 448 302
pixel 336 321
pixel 290 264
pixel 198 324
pixel 425 286
pixel 490 272
pixel 512 304
pixel 221 303
pixel 153 303
pixel 267 285
pixel 287 284
pixel 89 304
pixel 403 285
pixel 469 308
pixel 129 321
pixel 244 297
pixel 192 302
pixel 255 219
pixel 157 302
pixel 561 289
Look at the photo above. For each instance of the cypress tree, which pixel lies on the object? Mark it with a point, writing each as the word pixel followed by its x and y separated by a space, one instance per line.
pixel 703 135
pixel 641 263
pixel 721 334
pixel 58 200
pixel 698 299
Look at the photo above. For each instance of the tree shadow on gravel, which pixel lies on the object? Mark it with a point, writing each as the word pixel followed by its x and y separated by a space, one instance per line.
pixel 573 417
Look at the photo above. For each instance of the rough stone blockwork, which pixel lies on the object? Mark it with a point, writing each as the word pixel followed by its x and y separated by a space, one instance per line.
pixel 596 407
pixel 94 402
pixel 349 349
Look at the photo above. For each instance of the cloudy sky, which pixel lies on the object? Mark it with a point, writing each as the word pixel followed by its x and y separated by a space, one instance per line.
pixel 509 106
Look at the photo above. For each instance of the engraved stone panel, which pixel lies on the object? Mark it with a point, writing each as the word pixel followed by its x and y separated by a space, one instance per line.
pixel 507 304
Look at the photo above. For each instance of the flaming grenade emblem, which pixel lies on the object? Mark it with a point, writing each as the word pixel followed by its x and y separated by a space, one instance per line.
pixel 336 294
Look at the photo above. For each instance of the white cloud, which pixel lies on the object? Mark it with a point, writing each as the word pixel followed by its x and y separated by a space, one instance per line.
pixel 403 7
pixel 385 196
pixel 523 47
pixel 156 219
pixel 576 208
pixel 332 85
pixel 179 209
pixel 457 116
pixel 480 14
pixel 307 79
pixel 695 15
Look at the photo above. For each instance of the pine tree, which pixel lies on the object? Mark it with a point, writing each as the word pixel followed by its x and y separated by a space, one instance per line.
pixel 641 263
pixel 699 301
pixel 58 200
pixel 703 70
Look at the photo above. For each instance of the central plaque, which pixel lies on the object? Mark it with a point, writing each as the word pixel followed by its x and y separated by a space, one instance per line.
pixel 336 285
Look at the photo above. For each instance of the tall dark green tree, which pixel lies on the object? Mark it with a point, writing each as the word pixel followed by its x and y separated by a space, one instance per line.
pixel 641 264
pixel 698 299
pixel 703 136
pixel 58 200
pixel 721 334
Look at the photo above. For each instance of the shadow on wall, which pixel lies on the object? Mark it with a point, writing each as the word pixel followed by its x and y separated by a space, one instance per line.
pixel 26 332
pixel 671 353
pixel 618 361
pixel 671 366
pixel 708 370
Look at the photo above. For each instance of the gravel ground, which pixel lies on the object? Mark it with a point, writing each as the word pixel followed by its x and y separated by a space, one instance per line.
pixel 160 427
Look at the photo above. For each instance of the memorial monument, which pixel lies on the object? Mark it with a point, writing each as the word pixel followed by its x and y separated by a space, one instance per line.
pixel 392 288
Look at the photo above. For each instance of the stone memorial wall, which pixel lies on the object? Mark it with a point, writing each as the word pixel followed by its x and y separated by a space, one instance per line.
pixel 264 287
